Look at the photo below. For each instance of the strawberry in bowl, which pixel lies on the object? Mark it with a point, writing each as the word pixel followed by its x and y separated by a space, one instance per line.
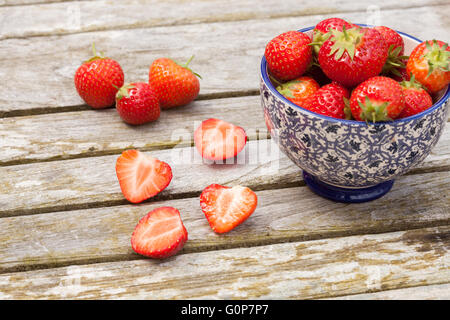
pixel 383 127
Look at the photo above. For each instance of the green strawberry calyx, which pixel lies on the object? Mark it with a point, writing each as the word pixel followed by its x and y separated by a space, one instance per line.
pixel 287 88
pixel 373 112
pixel 394 61
pixel 412 84
pixel 124 91
pixel 96 55
pixel 185 66
pixel 437 57
pixel 345 40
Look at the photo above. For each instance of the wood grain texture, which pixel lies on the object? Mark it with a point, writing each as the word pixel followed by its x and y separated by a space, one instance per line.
pixel 431 292
pixel 291 214
pixel 93 132
pixel 88 16
pixel 86 182
pixel 92 182
pixel 78 134
pixel 37 78
pixel 314 269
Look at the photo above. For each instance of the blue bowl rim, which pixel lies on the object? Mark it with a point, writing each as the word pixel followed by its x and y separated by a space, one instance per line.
pixel 269 84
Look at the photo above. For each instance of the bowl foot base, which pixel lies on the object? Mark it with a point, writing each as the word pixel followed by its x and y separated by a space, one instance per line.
pixel 346 195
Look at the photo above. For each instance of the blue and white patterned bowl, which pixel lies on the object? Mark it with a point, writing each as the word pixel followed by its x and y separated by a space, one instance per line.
pixel 345 160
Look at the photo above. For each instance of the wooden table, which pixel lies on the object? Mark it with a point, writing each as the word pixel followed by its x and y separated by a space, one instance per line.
pixel 65 227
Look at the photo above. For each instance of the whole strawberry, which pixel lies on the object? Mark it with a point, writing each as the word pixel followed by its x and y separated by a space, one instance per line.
pixel 329 100
pixel 299 90
pixel 377 99
pixel 97 81
pixel 417 98
pixel 137 103
pixel 321 31
pixel 395 61
pixel 352 56
pixel 429 62
pixel 288 55
pixel 176 85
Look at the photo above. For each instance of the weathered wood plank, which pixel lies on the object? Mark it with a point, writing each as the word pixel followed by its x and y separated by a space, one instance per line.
pixel 432 292
pixel 93 132
pixel 88 16
pixel 292 214
pixel 314 269
pixel 87 133
pixel 92 181
pixel 37 77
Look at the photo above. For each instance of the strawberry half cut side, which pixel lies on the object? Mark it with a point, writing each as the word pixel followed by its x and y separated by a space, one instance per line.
pixel 226 207
pixel 219 140
pixel 160 234
pixel 140 176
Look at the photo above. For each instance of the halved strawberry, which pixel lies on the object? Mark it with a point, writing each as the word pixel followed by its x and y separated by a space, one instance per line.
pixel 219 140
pixel 160 234
pixel 140 176
pixel 226 207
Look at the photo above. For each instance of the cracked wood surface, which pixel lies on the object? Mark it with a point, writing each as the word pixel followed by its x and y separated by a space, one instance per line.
pixel 291 214
pixel 37 78
pixel 313 269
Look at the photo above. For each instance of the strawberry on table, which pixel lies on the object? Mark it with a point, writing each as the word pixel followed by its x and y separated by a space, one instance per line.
pixel 417 98
pixel 377 99
pixel 226 207
pixel 219 140
pixel 329 100
pixel 321 31
pixel 137 103
pixel 97 81
pixel 160 234
pixel 176 85
pixel 141 176
pixel 288 55
pixel 299 90
pixel 429 62
pixel 353 55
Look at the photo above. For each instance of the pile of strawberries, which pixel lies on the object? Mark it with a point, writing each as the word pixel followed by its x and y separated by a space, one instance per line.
pixel 350 72
pixel 100 83
pixel 161 233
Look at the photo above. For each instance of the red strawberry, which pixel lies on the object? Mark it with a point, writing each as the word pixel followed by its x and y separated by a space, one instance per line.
pixel 322 30
pixel 137 103
pixel 219 140
pixel 329 101
pixel 377 99
pixel 429 62
pixel 160 234
pixel 176 85
pixel 225 207
pixel 140 176
pixel 352 56
pixel 97 80
pixel 396 49
pixel 288 55
pixel 299 90
pixel 417 98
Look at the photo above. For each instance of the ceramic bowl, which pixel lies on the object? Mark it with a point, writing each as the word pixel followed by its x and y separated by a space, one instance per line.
pixel 346 160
